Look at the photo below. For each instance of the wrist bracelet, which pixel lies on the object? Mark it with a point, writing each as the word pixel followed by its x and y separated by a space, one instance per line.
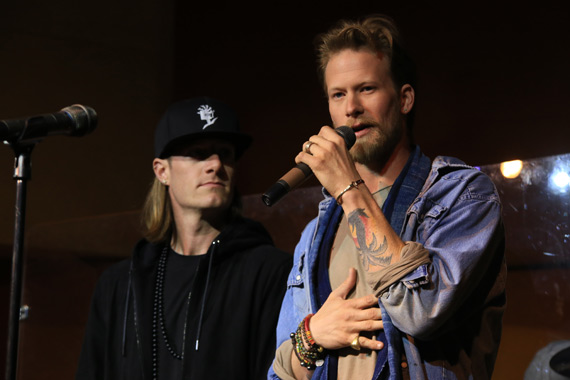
pixel 308 336
pixel 353 185
pixel 311 357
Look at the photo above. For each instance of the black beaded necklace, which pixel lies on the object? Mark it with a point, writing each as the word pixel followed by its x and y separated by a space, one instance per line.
pixel 158 314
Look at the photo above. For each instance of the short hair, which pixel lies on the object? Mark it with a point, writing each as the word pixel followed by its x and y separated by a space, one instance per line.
pixel 376 33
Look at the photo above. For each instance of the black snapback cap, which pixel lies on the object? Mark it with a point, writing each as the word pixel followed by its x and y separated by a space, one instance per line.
pixel 198 118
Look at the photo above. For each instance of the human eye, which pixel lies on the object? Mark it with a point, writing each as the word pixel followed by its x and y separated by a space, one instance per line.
pixel 226 153
pixel 367 88
pixel 197 153
pixel 336 95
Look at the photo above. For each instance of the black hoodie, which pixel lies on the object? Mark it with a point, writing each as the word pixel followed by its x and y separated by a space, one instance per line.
pixel 238 297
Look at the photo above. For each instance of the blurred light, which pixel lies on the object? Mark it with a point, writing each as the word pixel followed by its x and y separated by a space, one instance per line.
pixel 511 169
pixel 561 179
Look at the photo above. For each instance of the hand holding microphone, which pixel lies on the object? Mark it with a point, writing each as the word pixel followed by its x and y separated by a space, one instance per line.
pixel 301 172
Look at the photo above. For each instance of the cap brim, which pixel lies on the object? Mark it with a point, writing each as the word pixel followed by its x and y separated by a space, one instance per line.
pixel 240 140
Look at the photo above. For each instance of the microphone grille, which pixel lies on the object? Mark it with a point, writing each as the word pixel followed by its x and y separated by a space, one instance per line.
pixel 84 119
pixel 348 135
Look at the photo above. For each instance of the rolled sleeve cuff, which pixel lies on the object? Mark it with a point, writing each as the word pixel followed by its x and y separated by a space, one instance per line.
pixel 411 269
pixel 282 363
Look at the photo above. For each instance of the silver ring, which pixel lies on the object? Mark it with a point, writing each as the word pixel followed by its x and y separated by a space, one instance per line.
pixel 308 147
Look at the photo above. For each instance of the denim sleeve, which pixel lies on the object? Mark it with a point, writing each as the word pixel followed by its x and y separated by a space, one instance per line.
pixel 459 222
pixel 296 302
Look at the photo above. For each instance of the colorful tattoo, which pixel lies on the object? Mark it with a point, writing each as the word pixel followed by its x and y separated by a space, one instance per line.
pixel 362 231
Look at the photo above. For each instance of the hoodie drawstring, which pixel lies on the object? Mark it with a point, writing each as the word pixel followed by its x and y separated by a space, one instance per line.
pixel 127 299
pixel 215 244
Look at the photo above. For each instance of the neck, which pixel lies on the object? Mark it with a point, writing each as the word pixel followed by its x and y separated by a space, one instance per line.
pixel 386 176
pixel 193 235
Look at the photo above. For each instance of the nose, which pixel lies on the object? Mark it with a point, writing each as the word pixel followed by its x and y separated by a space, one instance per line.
pixel 353 105
pixel 214 163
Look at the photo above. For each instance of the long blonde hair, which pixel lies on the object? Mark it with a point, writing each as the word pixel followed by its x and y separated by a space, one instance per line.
pixel 157 217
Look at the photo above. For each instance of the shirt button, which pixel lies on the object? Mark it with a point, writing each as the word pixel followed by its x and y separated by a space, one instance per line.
pixel 298 277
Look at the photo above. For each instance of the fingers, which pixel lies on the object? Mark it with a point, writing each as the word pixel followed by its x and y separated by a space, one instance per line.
pixel 307 147
pixel 328 158
pixel 362 342
pixel 369 325
pixel 330 134
pixel 371 344
pixel 308 151
pixel 326 139
pixel 365 302
pixel 347 285
pixel 368 314
pixel 363 320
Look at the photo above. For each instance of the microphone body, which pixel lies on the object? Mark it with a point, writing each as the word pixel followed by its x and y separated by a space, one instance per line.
pixel 76 120
pixel 301 172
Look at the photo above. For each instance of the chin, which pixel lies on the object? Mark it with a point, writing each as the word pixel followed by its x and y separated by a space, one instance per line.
pixel 366 146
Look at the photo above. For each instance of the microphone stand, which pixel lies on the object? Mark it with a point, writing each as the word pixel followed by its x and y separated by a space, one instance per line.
pixel 22 173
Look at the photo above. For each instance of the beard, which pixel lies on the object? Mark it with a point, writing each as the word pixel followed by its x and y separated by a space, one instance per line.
pixel 376 147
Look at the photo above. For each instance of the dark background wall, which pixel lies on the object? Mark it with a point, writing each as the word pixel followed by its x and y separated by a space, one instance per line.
pixel 493 87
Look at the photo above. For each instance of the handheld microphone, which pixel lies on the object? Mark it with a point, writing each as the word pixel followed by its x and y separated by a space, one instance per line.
pixel 301 172
pixel 75 120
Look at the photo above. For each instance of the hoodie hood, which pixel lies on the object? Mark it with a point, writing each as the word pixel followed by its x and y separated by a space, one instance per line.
pixel 240 235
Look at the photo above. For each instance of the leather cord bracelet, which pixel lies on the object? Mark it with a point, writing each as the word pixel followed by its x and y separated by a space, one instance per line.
pixel 353 185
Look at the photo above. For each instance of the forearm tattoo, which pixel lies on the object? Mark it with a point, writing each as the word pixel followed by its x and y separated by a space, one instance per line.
pixel 362 231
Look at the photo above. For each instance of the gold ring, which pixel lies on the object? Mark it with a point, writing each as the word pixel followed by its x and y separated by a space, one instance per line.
pixel 355 344
pixel 308 147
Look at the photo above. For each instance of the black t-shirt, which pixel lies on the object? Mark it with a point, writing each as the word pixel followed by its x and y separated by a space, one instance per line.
pixel 178 281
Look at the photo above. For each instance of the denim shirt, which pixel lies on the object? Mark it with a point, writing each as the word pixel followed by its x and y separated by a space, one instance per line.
pixel 444 318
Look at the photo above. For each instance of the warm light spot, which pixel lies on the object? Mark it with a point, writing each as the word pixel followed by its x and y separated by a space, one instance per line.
pixel 511 169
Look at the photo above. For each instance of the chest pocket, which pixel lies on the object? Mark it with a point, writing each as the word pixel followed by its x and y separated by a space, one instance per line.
pixel 295 279
pixel 424 213
pixel 298 290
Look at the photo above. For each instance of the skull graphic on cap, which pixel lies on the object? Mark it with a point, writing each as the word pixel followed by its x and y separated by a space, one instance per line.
pixel 207 113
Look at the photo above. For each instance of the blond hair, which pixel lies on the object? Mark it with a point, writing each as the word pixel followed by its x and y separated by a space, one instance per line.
pixel 157 218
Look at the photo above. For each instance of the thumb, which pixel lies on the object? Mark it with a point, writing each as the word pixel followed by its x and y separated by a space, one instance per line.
pixel 347 285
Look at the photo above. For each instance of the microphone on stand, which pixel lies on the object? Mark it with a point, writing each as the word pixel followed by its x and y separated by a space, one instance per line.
pixel 76 120
pixel 301 172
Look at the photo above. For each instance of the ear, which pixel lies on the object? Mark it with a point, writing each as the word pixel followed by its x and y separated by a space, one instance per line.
pixel 407 97
pixel 161 170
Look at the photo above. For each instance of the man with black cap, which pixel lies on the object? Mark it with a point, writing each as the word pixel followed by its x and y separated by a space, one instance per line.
pixel 200 296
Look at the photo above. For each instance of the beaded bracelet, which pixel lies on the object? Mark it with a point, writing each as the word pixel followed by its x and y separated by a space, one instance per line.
pixel 308 336
pixel 306 357
pixel 311 357
pixel 353 185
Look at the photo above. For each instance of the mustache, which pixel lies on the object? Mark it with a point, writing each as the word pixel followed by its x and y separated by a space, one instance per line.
pixel 364 122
